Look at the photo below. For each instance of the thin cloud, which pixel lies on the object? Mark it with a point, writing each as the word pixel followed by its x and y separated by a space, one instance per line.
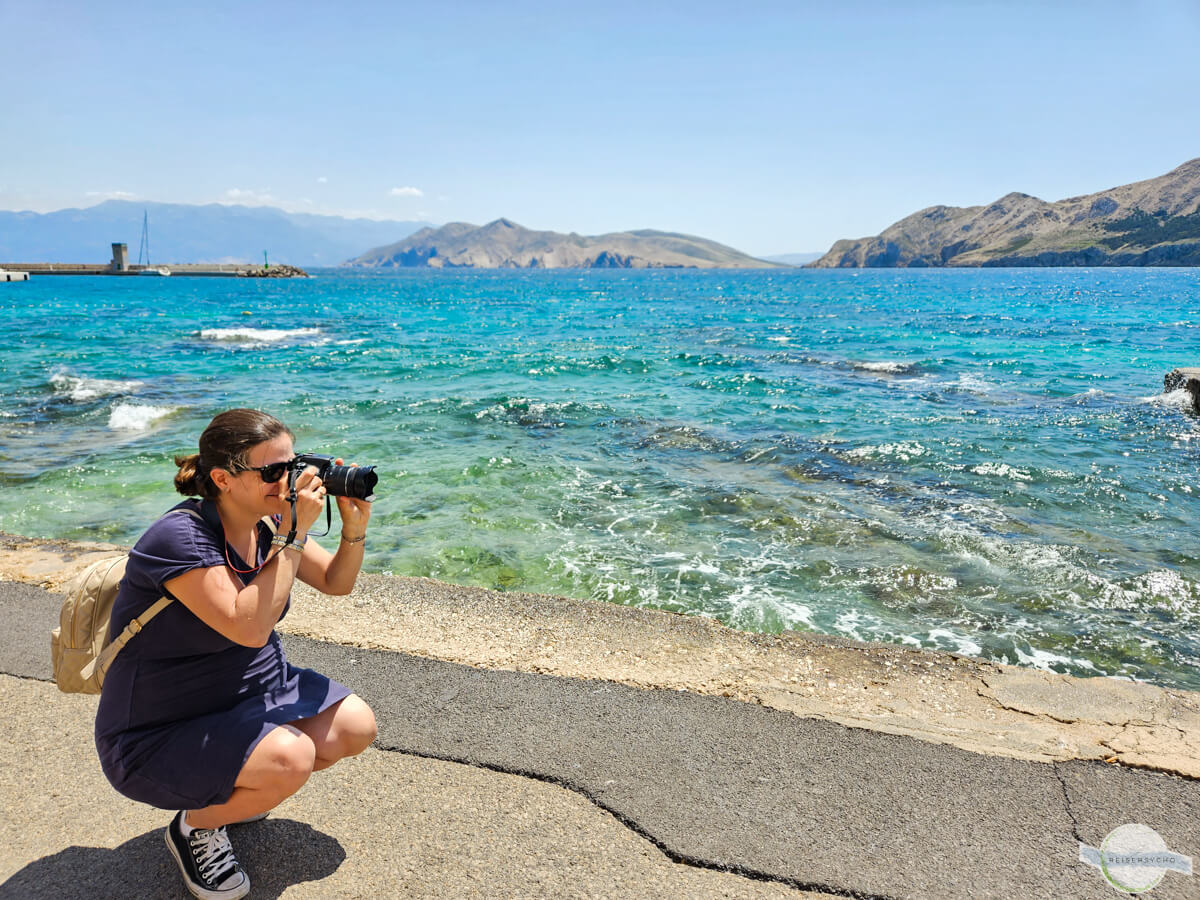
pixel 406 192
pixel 112 195
pixel 251 198
pixel 322 180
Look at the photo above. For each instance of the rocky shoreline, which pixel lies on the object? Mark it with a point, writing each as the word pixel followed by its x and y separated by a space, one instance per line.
pixel 275 271
pixel 944 698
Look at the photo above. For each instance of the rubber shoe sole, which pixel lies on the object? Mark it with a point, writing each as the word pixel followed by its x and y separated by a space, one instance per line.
pixel 247 821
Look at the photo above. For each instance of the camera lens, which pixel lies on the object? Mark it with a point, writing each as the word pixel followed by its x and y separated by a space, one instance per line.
pixel 346 481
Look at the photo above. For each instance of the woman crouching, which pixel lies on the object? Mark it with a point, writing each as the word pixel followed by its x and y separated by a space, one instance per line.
pixel 201 713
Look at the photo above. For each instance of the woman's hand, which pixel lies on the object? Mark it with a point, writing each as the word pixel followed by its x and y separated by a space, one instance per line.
pixel 355 513
pixel 310 499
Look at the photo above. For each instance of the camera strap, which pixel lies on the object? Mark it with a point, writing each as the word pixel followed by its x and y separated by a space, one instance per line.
pixel 291 499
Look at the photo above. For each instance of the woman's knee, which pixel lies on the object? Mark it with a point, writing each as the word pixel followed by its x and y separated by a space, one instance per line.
pixel 283 759
pixel 356 722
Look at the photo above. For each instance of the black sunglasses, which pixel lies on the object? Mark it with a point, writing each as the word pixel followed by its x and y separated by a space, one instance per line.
pixel 272 471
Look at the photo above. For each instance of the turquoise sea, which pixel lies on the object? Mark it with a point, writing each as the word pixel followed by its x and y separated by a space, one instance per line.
pixel 979 461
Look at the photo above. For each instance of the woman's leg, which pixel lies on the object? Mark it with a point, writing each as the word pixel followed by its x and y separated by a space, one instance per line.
pixel 345 729
pixel 277 768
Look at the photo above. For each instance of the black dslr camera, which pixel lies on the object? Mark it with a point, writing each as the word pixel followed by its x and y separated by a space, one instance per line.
pixel 357 482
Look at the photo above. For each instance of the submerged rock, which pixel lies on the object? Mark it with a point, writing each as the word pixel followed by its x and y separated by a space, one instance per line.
pixel 1187 380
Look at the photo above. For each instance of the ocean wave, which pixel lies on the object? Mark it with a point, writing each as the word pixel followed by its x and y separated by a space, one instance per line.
pixel 134 417
pixel 890 367
pixel 944 639
pixel 82 388
pixel 1088 397
pixel 539 413
pixel 873 366
pixel 1044 659
pixel 256 336
pixel 970 384
pixel 1002 470
pixel 1162 589
pixel 904 451
pixel 852 622
pixel 1180 399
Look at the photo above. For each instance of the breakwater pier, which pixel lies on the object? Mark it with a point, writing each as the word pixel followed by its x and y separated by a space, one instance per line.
pixel 119 265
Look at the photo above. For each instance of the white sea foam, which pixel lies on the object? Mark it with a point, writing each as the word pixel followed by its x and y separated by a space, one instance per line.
pixel 1180 398
pixel 1160 588
pixel 884 366
pixel 958 643
pixel 258 336
pixel 1044 659
pixel 901 450
pixel 133 417
pixel 851 621
pixel 81 388
pixel 753 604
pixel 1003 470
pixel 971 384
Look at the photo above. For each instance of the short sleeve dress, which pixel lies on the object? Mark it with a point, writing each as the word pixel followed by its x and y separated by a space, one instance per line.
pixel 182 706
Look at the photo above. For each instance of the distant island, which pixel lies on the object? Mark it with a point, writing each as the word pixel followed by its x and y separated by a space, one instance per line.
pixel 794 259
pixel 503 244
pixel 1148 223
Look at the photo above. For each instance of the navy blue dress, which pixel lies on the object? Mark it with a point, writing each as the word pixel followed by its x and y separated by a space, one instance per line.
pixel 182 706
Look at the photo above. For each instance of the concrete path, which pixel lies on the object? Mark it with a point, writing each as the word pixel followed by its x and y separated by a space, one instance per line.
pixel 495 783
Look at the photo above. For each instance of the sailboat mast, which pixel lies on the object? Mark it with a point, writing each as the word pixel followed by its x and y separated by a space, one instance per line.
pixel 145 244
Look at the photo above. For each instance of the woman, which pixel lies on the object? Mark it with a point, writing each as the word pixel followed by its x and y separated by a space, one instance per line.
pixel 201 712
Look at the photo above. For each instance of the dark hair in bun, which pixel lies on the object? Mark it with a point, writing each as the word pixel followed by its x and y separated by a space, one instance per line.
pixel 225 444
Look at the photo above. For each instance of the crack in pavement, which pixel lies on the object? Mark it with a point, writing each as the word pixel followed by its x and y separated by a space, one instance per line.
pixel 638 829
pixel 1062 782
pixel 627 822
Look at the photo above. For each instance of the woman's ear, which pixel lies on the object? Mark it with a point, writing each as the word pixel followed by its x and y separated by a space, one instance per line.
pixel 221 478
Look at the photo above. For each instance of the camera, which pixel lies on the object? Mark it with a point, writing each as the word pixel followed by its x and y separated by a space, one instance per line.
pixel 340 481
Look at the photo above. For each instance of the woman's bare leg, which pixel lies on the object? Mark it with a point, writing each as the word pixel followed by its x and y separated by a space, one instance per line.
pixel 276 769
pixel 345 729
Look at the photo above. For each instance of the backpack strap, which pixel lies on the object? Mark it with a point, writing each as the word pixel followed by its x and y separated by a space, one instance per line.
pixel 107 655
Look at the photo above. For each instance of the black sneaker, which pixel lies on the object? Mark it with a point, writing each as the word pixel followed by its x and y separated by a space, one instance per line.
pixel 210 870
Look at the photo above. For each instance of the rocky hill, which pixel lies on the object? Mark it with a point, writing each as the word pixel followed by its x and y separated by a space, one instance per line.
pixel 506 245
pixel 1148 223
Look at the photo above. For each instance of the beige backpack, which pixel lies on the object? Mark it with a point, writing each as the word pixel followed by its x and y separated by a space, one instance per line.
pixel 79 647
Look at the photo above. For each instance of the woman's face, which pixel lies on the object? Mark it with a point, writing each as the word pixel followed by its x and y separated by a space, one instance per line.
pixel 248 489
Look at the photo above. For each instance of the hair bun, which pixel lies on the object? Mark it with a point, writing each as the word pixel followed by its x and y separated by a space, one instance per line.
pixel 188 478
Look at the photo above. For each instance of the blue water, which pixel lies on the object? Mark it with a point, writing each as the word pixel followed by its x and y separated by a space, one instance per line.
pixel 979 461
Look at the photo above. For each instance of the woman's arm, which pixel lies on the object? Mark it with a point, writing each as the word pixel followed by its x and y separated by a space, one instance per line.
pixel 245 615
pixel 335 573
pixel 332 573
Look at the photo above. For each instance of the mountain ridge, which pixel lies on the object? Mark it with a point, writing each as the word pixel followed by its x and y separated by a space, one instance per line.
pixel 186 233
pixel 502 243
pixel 1155 222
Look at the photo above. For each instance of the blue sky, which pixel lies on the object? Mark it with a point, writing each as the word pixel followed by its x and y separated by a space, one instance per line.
pixel 773 127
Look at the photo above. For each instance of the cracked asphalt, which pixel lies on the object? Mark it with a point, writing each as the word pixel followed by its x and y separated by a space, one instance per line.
pixel 660 792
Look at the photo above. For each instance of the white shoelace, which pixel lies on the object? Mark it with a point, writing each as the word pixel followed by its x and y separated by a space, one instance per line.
pixel 213 853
